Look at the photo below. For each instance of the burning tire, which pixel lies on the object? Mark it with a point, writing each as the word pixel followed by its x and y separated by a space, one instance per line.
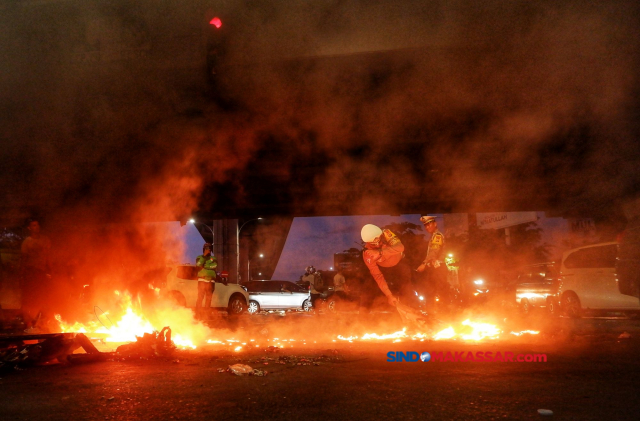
pixel 237 305
pixel 571 305
pixel 253 307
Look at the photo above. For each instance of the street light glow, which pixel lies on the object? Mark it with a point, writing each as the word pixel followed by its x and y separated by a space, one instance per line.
pixel 261 255
pixel 193 221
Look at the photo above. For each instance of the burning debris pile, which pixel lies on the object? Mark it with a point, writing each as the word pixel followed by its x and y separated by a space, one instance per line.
pixel 130 335
pixel 131 324
pixel 19 351
pixel 156 344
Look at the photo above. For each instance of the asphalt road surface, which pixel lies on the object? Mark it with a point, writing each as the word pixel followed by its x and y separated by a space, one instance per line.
pixel 590 374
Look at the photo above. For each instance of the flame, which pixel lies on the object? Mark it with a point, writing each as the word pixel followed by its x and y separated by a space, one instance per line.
pixel 447 333
pixel 467 331
pixel 525 332
pixel 396 335
pixel 127 328
pixel 132 323
pixel 479 331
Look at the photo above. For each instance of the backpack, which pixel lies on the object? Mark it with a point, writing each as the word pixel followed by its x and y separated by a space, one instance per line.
pixel 318 283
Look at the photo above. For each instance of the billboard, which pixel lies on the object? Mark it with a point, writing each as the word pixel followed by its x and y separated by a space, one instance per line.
pixel 498 220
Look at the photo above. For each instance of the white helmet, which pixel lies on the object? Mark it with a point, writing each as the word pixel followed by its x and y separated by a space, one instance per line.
pixel 370 232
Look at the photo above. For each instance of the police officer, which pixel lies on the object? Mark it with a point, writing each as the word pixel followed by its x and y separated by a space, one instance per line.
pixel 433 263
pixel 207 264
pixel 383 255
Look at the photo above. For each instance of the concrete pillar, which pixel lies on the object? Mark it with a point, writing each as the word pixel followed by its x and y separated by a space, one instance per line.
pixel 225 246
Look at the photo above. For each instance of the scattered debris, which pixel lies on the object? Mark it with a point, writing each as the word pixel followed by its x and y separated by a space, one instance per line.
pixel 243 369
pixel 240 369
pixel 624 335
pixel 298 360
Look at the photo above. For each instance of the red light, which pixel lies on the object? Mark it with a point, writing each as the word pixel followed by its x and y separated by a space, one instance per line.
pixel 216 22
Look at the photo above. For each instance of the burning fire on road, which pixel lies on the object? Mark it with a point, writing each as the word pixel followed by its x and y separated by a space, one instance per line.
pixel 131 322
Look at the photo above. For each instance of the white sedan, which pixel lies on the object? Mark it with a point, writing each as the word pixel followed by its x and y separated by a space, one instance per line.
pixel 182 286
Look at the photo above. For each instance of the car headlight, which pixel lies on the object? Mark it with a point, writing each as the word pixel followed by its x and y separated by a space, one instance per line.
pixel 245 288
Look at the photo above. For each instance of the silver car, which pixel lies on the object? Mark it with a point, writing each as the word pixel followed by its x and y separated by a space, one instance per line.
pixel 277 295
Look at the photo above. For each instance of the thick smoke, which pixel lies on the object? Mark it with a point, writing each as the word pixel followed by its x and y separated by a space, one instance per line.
pixel 487 102
pixel 470 106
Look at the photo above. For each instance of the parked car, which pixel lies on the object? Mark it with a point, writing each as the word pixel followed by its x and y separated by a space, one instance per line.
pixel 277 295
pixel 536 285
pixel 182 286
pixel 628 262
pixel 587 281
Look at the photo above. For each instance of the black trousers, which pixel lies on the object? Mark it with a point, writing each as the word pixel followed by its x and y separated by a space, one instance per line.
pixel 314 298
pixel 436 283
pixel 400 281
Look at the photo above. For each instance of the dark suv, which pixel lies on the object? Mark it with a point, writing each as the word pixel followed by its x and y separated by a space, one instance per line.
pixel 536 286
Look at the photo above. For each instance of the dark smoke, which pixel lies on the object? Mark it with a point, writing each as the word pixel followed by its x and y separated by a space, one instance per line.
pixel 330 107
